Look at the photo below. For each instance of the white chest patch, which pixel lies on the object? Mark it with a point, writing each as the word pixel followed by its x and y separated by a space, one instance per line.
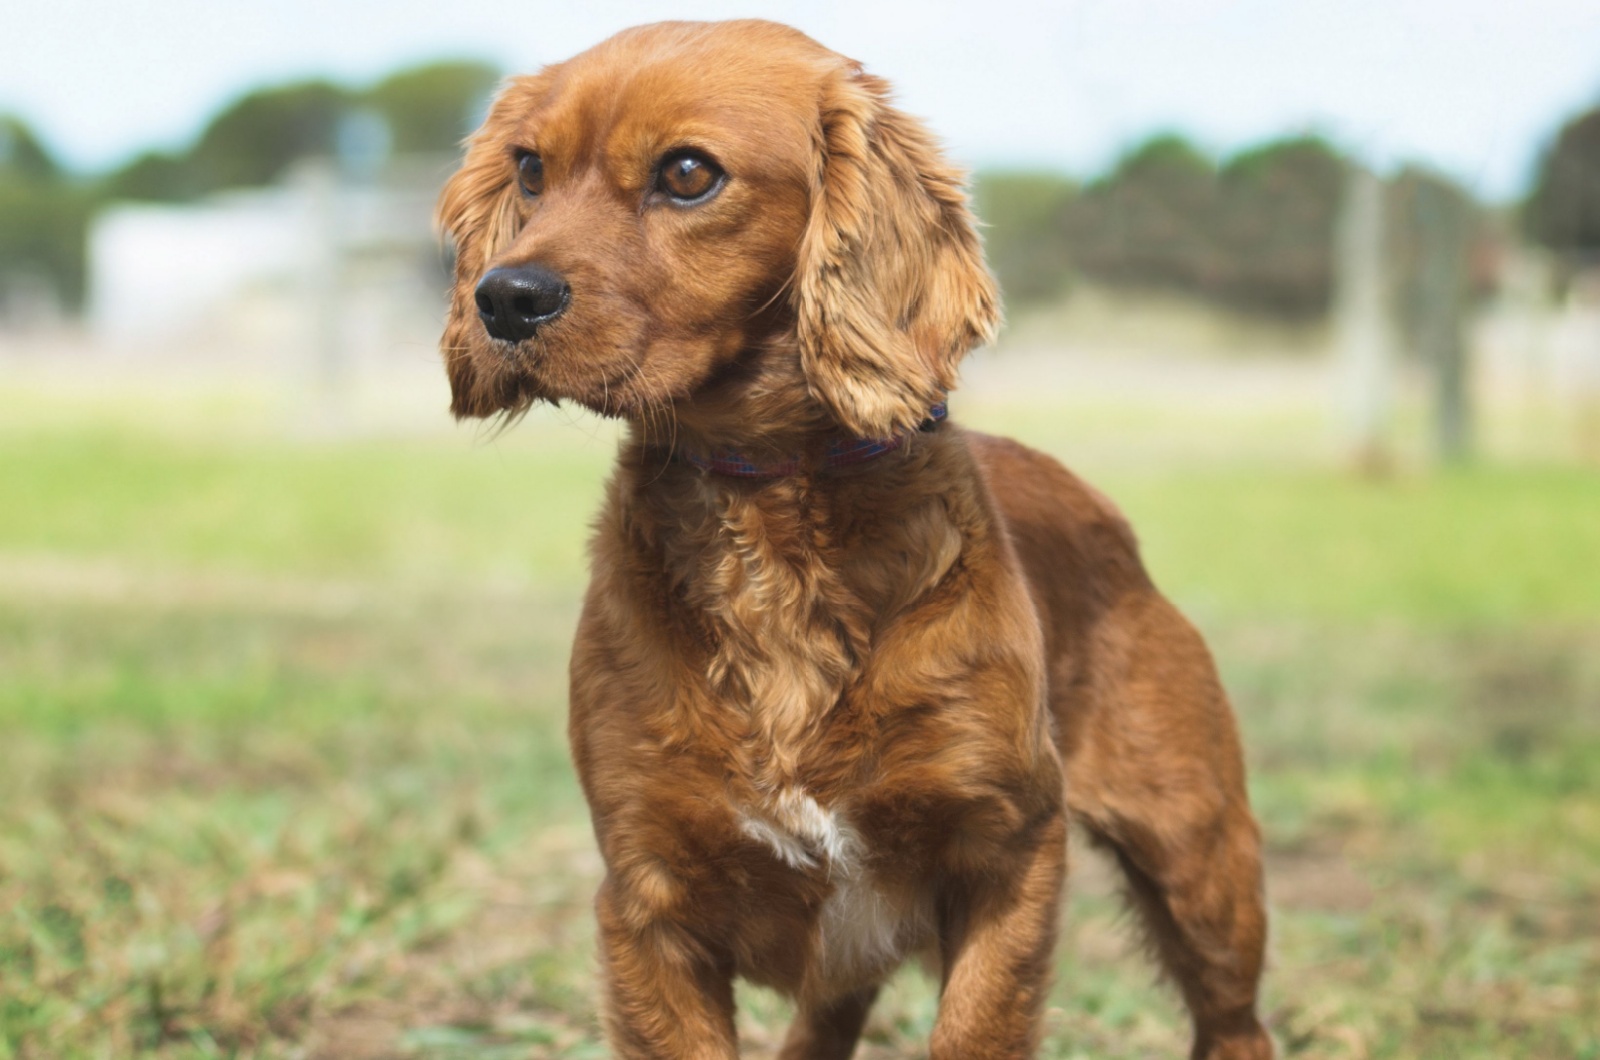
pixel 803 834
pixel 861 929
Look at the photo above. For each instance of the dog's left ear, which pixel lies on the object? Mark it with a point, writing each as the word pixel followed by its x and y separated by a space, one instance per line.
pixel 890 288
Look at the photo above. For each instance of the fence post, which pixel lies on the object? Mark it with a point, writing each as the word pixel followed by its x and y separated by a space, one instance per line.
pixel 1363 328
pixel 322 258
pixel 1444 222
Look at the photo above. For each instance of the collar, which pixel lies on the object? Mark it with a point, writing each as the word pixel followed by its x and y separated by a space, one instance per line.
pixel 842 452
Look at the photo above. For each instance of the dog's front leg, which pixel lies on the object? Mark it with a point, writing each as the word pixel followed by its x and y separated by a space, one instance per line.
pixel 828 1031
pixel 666 996
pixel 998 934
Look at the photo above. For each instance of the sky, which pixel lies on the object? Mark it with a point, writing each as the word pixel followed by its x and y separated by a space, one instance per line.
pixel 1475 88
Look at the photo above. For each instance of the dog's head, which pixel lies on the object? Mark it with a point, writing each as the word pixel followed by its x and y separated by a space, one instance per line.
pixel 694 207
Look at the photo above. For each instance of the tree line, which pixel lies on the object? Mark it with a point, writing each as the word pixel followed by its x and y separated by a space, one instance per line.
pixel 1253 232
pixel 45 210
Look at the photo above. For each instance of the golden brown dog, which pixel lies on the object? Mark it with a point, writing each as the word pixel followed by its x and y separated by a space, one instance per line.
pixel 844 670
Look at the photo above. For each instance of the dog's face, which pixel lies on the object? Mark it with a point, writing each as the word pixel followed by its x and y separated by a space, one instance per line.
pixel 689 203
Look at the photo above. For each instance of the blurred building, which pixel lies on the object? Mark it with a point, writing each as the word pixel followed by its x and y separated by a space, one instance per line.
pixel 336 268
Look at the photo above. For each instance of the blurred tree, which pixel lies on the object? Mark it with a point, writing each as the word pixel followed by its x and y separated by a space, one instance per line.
pixel 1563 212
pixel 1273 229
pixel 254 140
pixel 431 108
pixel 44 238
pixel 251 142
pixel 1146 223
pixel 43 219
pixel 257 138
pixel 154 176
pixel 1256 234
pixel 23 159
pixel 1023 234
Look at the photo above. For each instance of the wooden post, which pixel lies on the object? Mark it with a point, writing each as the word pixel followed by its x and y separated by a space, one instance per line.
pixel 1363 328
pixel 1444 221
pixel 322 261
pixel 1583 302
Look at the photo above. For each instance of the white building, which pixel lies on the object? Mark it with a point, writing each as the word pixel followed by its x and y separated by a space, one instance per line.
pixel 315 268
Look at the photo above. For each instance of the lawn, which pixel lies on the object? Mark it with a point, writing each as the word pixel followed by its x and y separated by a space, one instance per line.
pixel 284 770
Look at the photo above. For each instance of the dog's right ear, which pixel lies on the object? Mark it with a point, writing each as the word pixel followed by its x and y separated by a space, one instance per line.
pixel 478 212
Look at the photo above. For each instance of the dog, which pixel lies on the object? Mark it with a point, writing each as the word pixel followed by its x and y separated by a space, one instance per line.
pixel 844 671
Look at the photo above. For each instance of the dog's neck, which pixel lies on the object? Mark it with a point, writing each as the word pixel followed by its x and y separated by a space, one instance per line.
pixel 756 418
pixel 790 579
pixel 838 451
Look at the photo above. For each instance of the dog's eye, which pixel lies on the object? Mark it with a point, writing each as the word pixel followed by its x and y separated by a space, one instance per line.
pixel 530 173
pixel 689 177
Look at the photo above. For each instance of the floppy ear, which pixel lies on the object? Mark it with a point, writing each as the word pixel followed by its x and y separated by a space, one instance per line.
pixel 478 212
pixel 890 289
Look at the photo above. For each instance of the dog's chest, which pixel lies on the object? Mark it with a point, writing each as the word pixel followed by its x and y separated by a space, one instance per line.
pixel 865 924
pixel 792 605
pixel 792 610
pixel 784 633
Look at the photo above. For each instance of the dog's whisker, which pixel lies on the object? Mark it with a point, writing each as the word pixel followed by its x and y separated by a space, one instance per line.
pixel 783 288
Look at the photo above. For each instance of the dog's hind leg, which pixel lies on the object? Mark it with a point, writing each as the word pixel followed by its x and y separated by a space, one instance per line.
pixel 1154 772
pixel 828 1031
pixel 1207 926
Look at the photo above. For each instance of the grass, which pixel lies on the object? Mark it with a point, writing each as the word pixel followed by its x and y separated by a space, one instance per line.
pixel 284 767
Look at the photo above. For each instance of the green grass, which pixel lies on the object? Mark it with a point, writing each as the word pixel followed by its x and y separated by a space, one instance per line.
pixel 362 510
pixel 1461 548
pixel 284 770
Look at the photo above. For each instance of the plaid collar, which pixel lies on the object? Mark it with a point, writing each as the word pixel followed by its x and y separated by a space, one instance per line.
pixel 842 452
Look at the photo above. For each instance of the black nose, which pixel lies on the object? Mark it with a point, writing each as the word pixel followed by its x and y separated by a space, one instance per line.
pixel 514 301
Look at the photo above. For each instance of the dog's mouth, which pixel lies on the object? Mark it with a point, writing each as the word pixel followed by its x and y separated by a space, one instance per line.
pixel 612 388
pixel 526 354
